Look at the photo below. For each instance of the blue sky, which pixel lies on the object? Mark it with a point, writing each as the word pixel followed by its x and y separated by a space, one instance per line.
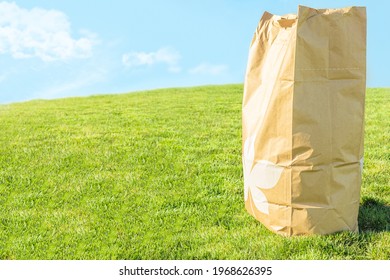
pixel 52 48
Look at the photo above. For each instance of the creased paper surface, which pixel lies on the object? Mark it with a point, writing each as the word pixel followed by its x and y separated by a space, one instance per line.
pixel 303 120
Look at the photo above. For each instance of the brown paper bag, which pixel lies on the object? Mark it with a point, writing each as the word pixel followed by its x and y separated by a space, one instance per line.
pixel 303 115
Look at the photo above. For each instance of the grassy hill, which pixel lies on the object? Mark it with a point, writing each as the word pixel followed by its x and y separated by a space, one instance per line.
pixel 157 175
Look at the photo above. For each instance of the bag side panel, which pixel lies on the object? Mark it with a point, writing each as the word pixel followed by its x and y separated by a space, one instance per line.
pixel 267 117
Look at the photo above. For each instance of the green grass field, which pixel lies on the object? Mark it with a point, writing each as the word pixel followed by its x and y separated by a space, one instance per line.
pixel 157 175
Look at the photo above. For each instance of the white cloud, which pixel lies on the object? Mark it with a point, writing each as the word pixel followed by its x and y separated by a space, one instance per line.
pixel 168 56
pixel 73 86
pixel 209 69
pixel 41 33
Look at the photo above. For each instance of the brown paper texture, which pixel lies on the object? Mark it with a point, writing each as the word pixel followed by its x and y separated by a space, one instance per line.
pixel 303 120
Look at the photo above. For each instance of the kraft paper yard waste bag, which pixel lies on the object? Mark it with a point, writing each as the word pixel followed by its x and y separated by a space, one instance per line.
pixel 303 117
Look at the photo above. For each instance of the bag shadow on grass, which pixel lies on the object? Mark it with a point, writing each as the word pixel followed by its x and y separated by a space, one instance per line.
pixel 374 216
